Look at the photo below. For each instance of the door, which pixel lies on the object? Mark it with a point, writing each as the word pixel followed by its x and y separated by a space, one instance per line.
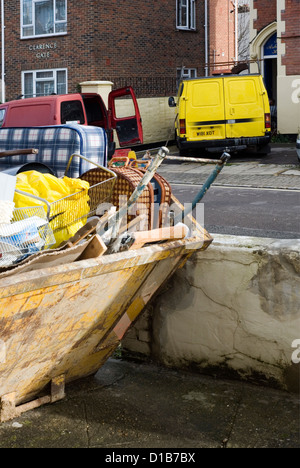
pixel 244 108
pixel 125 116
pixel 205 118
pixel 97 115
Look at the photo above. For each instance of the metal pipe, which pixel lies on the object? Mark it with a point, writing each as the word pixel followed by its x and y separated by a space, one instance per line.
pixel 206 38
pixel 236 31
pixel 211 178
pixel 115 220
pixel 193 160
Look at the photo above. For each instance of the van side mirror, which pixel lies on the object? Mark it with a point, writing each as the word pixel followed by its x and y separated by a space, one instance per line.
pixel 172 102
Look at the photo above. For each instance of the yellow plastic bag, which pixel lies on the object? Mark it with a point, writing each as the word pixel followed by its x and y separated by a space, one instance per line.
pixel 68 199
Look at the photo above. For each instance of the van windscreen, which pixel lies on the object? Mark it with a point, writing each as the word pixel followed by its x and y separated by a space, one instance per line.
pixel 72 111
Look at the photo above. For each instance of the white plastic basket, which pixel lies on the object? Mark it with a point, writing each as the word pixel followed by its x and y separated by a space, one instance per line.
pixel 28 233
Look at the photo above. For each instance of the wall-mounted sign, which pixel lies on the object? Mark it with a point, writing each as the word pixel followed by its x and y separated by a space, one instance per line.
pixel 43 51
pixel 270 47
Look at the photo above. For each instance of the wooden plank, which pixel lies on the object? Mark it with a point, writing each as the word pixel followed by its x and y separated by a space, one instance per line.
pixel 95 249
pixel 157 235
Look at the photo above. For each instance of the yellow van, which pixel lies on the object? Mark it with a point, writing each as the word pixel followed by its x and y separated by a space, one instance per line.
pixel 225 111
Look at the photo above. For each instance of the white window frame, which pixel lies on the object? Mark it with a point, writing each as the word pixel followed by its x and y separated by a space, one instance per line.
pixel 34 2
pixel 185 74
pixel 35 79
pixel 189 6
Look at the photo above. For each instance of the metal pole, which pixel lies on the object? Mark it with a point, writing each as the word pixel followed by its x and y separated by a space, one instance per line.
pixel 211 178
pixel 206 38
pixel 236 31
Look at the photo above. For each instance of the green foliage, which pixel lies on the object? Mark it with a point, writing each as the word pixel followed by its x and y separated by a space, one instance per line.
pixel 279 138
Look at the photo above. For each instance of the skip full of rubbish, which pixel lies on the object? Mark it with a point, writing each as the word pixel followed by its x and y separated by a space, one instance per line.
pixel 39 212
pixel 64 309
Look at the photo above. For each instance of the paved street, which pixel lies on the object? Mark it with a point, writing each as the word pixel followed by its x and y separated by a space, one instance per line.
pixel 241 171
pixel 133 406
pixel 245 211
pixel 257 197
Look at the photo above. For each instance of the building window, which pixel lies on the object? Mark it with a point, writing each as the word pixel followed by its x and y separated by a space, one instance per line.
pixel 184 74
pixel 43 17
pixel 186 14
pixel 44 82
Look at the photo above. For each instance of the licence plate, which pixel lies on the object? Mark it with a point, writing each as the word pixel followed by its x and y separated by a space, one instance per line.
pixel 206 133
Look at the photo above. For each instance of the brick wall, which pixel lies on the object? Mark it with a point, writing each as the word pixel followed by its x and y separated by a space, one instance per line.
pixel 291 37
pixel 266 13
pixel 148 44
pixel 71 51
pixel 111 39
pixel 221 33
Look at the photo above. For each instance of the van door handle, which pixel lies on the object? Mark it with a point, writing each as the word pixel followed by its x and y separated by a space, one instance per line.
pixel 232 111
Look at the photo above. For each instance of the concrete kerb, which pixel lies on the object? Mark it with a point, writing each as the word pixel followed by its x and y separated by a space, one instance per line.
pixel 234 308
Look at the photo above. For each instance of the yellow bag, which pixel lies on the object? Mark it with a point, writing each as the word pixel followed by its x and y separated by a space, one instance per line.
pixel 68 198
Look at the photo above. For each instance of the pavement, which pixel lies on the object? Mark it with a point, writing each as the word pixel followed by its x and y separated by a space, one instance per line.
pixel 280 170
pixel 140 405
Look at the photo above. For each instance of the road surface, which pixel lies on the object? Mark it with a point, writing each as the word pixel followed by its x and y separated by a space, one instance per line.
pixel 247 212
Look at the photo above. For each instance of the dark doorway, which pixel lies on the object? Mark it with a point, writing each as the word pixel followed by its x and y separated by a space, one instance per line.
pixel 270 77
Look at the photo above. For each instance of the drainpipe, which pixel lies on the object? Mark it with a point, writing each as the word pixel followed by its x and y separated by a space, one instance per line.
pixel 206 38
pixel 2 52
pixel 236 31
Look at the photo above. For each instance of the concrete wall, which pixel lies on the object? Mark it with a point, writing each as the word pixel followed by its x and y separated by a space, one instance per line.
pixel 233 309
pixel 158 118
pixel 288 104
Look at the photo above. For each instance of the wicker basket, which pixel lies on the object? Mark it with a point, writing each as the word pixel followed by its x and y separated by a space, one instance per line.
pixel 162 198
pixel 162 194
pixel 127 180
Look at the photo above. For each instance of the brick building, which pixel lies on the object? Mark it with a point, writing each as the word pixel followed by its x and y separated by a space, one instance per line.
pixel 53 45
pixel 222 35
pixel 275 44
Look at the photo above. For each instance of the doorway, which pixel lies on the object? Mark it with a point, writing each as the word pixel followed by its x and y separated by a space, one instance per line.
pixel 270 65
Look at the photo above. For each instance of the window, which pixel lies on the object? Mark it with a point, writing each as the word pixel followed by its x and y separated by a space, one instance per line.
pixel 44 82
pixel 72 111
pixel 43 17
pixel 186 14
pixel 94 112
pixel 184 74
pixel 2 115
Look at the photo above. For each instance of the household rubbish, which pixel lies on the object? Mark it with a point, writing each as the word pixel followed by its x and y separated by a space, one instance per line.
pixel 27 233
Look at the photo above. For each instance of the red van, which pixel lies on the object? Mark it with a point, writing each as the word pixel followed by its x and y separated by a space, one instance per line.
pixel 85 109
